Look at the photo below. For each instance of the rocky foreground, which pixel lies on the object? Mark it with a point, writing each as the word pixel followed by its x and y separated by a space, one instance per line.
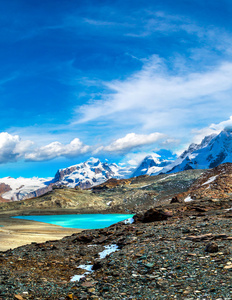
pixel 177 250
pixel 186 256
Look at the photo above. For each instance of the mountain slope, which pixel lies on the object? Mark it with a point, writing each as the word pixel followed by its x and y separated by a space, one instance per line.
pixel 152 164
pixel 115 195
pixel 213 151
pixel 23 188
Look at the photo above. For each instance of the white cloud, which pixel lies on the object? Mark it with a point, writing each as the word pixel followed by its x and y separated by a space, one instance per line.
pixel 155 99
pixel 57 149
pixel 130 141
pixel 12 147
pixel 169 143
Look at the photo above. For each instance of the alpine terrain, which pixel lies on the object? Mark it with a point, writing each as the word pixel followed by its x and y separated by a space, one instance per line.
pixel 211 152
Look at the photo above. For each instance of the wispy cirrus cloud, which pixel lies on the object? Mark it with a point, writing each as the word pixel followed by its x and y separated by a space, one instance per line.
pixel 158 99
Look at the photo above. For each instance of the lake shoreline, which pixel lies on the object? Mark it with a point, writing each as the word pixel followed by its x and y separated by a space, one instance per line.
pixel 17 232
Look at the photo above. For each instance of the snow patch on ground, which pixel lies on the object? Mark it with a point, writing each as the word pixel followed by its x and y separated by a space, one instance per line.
pixel 211 179
pixel 228 209
pixel 129 221
pixel 108 250
pixel 162 179
pixel 88 269
pixel 141 187
pixel 77 277
pixel 188 199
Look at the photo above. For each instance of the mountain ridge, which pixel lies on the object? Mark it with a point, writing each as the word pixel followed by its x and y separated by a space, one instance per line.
pixel 211 152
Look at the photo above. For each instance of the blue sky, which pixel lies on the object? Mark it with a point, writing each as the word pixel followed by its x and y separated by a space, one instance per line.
pixel 111 79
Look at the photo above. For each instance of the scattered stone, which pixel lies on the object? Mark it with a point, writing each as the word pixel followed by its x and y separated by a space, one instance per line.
pixel 18 297
pixel 152 215
pixel 97 265
pixel 175 200
pixel 197 238
pixel 211 247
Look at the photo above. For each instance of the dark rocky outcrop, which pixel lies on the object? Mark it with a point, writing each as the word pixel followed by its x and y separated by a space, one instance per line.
pixel 175 200
pixel 152 215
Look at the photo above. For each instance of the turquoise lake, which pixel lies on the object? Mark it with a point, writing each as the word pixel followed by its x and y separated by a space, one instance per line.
pixel 84 221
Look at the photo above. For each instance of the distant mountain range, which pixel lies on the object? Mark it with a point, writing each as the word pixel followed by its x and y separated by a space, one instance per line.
pixel 211 152
pixel 84 175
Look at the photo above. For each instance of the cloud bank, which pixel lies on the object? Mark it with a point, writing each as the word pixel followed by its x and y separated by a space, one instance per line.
pixel 132 147
pixel 13 148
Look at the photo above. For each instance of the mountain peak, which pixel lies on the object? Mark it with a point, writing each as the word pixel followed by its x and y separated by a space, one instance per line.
pixel 151 164
pixel 91 172
pixel 93 161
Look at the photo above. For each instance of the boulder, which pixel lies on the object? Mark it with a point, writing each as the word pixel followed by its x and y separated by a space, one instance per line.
pixel 175 200
pixel 152 215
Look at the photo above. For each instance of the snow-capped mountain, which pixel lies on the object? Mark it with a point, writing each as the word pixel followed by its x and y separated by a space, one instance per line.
pixel 90 173
pixel 150 165
pixel 84 175
pixel 211 152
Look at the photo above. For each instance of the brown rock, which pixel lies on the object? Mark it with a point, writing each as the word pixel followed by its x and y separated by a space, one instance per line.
pixel 211 247
pixel 83 239
pixel 18 297
pixel 175 200
pixel 97 265
pixel 152 215
pixel 198 238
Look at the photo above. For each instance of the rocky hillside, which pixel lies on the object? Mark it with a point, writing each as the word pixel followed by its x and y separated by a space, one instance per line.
pixel 213 184
pixel 173 251
pixel 115 195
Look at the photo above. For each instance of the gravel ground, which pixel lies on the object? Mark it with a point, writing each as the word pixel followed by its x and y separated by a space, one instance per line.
pixel 189 256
